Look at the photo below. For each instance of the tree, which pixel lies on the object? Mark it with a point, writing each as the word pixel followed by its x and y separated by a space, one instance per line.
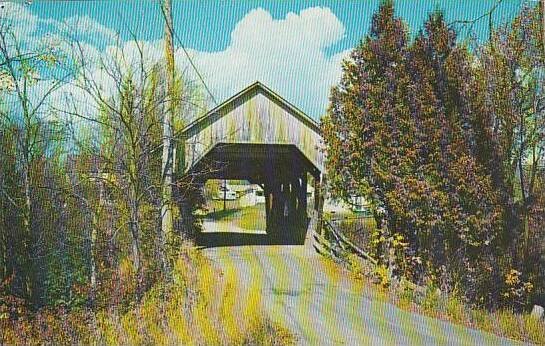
pixel 511 143
pixel 127 140
pixel 463 234
pixel 128 149
pixel 32 133
pixel 369 133
pixel 402 130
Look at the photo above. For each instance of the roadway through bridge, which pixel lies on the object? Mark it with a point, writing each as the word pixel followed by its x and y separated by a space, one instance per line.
pixel 283 174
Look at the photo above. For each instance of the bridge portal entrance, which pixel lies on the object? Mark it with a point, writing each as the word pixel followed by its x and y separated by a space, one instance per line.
pixel 282 175
pixel 258 137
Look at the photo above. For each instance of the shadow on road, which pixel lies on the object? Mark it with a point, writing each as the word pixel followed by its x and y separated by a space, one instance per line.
pixel 222 214
pixel 294 235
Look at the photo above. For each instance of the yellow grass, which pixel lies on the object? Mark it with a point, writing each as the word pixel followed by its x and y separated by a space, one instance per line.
pixel 199 307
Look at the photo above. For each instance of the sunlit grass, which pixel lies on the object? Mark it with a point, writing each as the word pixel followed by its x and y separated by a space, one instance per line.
pixel 251 218
pixel 432 303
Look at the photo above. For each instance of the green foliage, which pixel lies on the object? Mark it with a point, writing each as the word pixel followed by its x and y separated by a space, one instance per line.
pixel 442 141
pixel 431 301
pixel 383 276
pixel 80 202
pixel 456 310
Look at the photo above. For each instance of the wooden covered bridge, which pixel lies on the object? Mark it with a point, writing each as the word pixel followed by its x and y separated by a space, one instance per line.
pixel 258 136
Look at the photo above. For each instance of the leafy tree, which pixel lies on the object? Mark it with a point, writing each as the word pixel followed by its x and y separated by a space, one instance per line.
pixel 368 131
pixel 25 121
pixel 465 230
pixel 413 127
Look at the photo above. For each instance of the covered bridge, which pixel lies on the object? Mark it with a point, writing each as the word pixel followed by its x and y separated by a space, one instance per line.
pixel 258 136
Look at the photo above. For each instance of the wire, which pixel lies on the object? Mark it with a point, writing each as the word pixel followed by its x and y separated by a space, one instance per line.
pixel 195 68
pixel 188 57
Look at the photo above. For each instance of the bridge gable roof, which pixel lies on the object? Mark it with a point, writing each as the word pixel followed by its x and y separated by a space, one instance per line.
pixel 219 111
pixel 254 116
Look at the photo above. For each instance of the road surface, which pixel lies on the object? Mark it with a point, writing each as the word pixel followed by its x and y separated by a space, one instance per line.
pixel 323 307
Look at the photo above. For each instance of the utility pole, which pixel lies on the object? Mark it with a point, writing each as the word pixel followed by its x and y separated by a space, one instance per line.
pixel 167 228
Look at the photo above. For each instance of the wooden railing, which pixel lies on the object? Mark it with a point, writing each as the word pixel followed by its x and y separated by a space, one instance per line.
pixel 329 240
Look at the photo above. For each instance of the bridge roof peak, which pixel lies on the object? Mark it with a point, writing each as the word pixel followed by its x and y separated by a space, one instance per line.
pixel 256 86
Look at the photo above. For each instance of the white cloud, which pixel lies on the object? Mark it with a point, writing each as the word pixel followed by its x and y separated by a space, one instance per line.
pixel 32 31
pixel 28 28
pixel 287 55
pixel 101 70
pixel 89 30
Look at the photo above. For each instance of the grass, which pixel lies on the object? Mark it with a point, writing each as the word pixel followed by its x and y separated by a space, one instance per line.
pixel 521 327
pixel 250 218
pixel 505 323
pixel 253 218
pixel 196 308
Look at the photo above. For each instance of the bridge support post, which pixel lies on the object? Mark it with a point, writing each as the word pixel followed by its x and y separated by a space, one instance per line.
pixel 268 204
pixel 275 199
pixel 286 205
pixel 299 217
pixel 319 200
pixel 302 196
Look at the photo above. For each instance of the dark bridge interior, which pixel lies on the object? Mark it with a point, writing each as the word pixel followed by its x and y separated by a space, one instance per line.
pixel 282 171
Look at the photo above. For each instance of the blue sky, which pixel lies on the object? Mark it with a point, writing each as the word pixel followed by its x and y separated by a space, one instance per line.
pixel 295 47
pixel 207 24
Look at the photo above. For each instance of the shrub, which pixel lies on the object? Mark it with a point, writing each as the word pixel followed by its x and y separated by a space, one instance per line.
pixel 456 310
pixel 432 302
pixel 382 274
pixel 184 311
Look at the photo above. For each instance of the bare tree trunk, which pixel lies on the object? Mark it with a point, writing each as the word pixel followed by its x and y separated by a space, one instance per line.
pixel 168 152
pixel 62 245
pixel 94 232
pixel 134 227
pixel 27 209
pixel 543 21
pixel 3 234
pixel 93 262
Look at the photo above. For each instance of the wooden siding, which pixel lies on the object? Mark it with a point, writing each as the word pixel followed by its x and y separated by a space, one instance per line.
pixel 256 115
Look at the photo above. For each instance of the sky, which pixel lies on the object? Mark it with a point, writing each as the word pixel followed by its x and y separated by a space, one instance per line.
pixel 294 47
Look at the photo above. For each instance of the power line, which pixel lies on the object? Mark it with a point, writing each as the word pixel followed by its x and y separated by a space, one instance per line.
pixel 195 67
pixel 189 59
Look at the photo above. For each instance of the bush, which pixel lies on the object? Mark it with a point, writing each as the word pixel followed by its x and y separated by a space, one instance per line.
pixel 456 310
pixel 184 311
pixel 432 302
